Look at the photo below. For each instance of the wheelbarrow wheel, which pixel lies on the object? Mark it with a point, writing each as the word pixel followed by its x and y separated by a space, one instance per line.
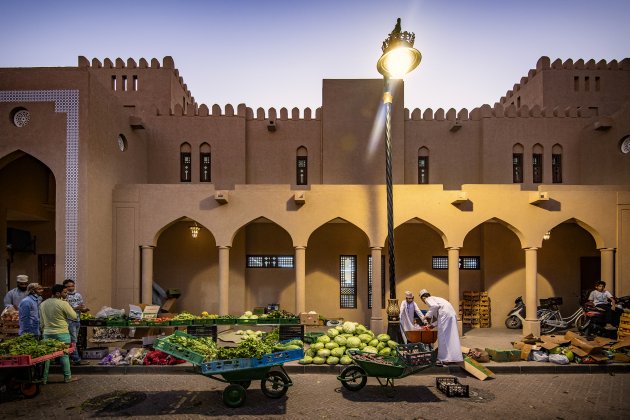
pixel 275 384
pixel 234 395
pixel 353 378
pixel 29 390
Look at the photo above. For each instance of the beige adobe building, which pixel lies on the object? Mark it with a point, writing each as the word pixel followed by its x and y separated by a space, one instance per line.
pixel 109 164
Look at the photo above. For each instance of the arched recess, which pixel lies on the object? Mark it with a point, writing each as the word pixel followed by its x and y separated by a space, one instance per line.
pixel 185 162
pixel 423 165
pixel 416 243
pixel 189 264
pixel 517 163
pixel 274 281
pixel 501 272
pixel 569 263
pixel 28 209
pixel 327 245
pixel 301 165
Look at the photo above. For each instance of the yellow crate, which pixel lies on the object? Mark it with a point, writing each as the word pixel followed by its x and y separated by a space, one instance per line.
pixel 483 294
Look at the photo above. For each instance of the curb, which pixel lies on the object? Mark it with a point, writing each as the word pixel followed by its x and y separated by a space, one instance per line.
pixel 506 368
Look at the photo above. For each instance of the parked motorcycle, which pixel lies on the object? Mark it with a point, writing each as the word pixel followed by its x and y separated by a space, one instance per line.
pixel 595 322
pixel 516 316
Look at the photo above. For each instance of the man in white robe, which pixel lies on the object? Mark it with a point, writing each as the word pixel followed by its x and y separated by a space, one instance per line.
pixel 408 309
pixel 444 316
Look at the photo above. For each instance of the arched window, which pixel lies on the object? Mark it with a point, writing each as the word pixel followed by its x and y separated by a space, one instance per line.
pixel 537 163
pixel 423 165
pixel 205 163
pixel 185 162
pixel 301 166
pixel 556 164
pixel 517 163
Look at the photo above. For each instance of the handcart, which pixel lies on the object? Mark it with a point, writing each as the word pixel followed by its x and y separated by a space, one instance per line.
pixel 408 359
pixel 239 373
pixel 24 373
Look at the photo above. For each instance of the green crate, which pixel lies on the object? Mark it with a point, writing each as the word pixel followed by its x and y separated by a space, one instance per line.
pixel 225 321
pixel 121 323
pixel 138 323
pixel 184 354
pixel 269 321
pixel 205 321
pixel 180 322
pixel 290 321
pixel 246 321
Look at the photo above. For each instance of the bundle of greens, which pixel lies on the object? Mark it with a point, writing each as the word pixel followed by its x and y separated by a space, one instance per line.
pixel 28 344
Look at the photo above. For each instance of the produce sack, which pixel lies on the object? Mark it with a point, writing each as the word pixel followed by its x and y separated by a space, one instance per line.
pixel 479 355
pixel 538 356
pixel 107 312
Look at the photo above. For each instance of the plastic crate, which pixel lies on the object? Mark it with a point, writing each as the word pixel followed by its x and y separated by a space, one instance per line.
pixel 28 360
pixel 219 366
pixel 451 387
pixel 203 331
pixel 118 323
pixel 94 322
pixel 287 332
pixel 268 321
pixel 278 358
pixel 176 322
pixel 225 321
pixel 416 354
pixel 184 354
pixel 311 337
pixel 246 321
pixel 290 321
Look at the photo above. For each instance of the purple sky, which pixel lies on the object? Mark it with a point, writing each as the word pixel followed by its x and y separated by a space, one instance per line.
pixel 276 53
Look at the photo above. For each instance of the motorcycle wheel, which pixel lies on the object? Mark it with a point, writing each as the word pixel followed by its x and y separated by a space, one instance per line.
pixel 513 322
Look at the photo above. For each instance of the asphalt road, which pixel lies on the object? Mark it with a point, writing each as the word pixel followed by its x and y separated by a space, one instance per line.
pixel 320 396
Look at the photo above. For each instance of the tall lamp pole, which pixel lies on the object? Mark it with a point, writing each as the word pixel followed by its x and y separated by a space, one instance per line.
pixel 399 58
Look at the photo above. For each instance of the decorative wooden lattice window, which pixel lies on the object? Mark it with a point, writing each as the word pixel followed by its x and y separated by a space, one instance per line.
pixel 537 164
pixel 465 263
pixel 205 163
pixel 270 261
pixel 348 281
pixel 185 163
pixel 370 282
pixel 556 164
pixel 301 166
pixel 423 165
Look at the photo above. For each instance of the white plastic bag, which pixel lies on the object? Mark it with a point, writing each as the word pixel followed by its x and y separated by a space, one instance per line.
pixel 538 356
pixel 559 359
pixel 106 312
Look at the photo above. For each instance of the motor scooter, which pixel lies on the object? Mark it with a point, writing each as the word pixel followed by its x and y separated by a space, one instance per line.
pixel 595 322
pixel 516 316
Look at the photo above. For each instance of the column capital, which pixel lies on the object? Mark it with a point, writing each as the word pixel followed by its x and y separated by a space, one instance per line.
pixel 147 246
pixel 224 246
pixel 376 248
pixel 531 248
pixel 300 247
pixel 606 249
pixel 453 248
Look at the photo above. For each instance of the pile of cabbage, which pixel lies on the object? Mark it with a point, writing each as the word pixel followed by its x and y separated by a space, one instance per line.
pixel 333 347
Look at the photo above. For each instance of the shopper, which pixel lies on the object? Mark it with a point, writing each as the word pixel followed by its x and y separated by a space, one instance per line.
pixel 74 324
pixel 604 300
pixel 408 311
pixel 443 315
pixel 54 315
pixel 15 296
pixel 29 310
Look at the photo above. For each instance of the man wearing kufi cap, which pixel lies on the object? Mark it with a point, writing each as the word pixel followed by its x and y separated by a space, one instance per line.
pixel 442 314
pixel 408 310
pixel 15 296
pixel 29 310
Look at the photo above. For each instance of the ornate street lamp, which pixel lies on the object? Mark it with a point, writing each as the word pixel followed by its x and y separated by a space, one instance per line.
pixel 194 230
pixel 399 58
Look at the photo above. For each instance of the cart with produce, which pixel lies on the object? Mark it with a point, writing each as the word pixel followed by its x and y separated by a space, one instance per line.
pixel 22 363
pixel 253 359
pixel 408 359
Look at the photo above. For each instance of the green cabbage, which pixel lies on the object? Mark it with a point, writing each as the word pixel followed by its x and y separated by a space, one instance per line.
pixel 353 342
pixel 323 353
pixel 383 337
pixel 365 338
pixel 307 360
pixel 369 349
pixel 354 349
pixel 360 329
pixel 392 344
pixel 331 345
pixel 345 360
pixel 318 360
pixel 323 339
pixel 385 351
pixel 332 333
pixel 339 328
pixel 338 352
pixel 317 346
pixel 362 346
pixel 348 327
pixel 332 360
pixel 373 343
pixel 380 346
pixel 310 352
pixel 341 340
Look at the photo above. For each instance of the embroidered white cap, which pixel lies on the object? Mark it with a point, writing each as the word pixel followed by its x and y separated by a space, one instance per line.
pixel 423 292
pixel 22 278
pixel 408 294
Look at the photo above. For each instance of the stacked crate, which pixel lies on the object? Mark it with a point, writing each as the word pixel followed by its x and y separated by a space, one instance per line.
pixel 475 309
pixel 624 327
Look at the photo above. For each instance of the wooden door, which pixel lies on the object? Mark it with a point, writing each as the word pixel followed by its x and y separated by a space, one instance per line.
pixel 590 272
pixel 46 269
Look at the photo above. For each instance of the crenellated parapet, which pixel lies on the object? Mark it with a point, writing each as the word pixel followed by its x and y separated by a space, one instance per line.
pixel 499 110
pixel 244 112
pixel 544 63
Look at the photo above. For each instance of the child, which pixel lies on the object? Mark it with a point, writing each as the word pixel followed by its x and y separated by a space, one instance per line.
pixel 604 300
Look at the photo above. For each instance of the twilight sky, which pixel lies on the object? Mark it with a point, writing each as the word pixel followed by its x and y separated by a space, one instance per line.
pixel 275 53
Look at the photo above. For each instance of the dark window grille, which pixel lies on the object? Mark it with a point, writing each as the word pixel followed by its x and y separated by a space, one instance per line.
pixel 556 168
pixel 423 169
pixel 205 172
pixel 185 160
pixel 537 167
pixel 370 282
pixel 517 168
pixel 301 170
pixel 348 281
pixel 465 263
pixel 270 261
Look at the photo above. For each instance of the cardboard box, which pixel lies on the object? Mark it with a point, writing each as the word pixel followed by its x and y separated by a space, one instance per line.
pixel 476 369
pixel 500 355
pixel 588 346
pixel 168 304
pixel 143 311
pixel 309 319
